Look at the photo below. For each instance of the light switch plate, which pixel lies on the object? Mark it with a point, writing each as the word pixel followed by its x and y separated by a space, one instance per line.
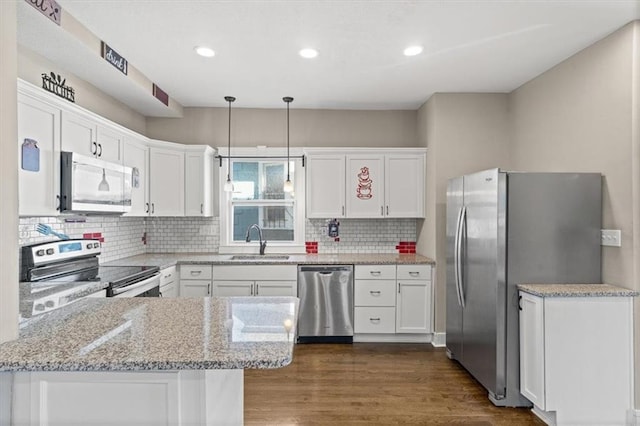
pixel 611 237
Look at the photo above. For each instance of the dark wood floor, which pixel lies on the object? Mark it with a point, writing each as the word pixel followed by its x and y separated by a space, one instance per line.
pixel 372 384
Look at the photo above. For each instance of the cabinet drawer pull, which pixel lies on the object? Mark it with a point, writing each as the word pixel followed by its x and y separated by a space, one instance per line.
pixel 374 319
pixel 381 211
pixel 375 273
pixel 94 151
pixel 100 153
pixel 387 210
pixel 196 272
pixel 58 206
pixel 153 208
pixel 147 209
pixel 375 292
pixel 414 274
pixel 201 208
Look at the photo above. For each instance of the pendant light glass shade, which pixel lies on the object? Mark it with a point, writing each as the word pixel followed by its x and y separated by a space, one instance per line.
pixel 103 185
pixel 228 186
pixel 288 185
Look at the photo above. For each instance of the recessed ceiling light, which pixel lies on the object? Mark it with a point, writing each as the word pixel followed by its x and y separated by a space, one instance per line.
pixel 308 53
pixel 204 51
pixel 413 50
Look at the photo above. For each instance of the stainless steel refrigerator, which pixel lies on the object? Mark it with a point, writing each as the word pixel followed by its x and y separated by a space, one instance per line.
pixel 504 229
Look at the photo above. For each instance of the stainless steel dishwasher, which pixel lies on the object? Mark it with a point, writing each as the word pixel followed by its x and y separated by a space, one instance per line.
pixel 326 303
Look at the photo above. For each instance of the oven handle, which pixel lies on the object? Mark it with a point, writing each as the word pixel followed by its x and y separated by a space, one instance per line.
pixel 154 280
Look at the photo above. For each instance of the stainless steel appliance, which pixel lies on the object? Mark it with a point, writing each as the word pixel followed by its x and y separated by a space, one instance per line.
pixel 504 229
pixel 326 303
pixel 91 185
pixel 51 264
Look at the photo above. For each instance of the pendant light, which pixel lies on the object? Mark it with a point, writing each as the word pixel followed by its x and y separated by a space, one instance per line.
pixel 103 185
pixel 228 186
pixel 288 185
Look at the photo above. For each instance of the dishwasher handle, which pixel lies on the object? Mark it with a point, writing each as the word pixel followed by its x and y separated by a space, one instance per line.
pixel 327 269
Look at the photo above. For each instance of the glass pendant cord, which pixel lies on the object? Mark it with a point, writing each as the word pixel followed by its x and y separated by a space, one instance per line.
pixel 228 186
pixel 288 186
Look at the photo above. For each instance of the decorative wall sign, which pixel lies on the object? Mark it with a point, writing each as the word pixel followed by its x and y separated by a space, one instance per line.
pixel 114 58
pixel 48 8
pixel 30 155
pixel 55 84
pixel 363 191
pixel 160 94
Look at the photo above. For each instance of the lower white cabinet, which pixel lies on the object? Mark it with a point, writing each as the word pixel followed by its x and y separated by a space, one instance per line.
pixel 199 397
pixel 195 280
pixel 169 282
pixel 576 358
pixel 255 280
pixel 393 300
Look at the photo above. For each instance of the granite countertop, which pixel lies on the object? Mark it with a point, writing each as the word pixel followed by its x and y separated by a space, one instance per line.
pixel 164 260
pixel 125 334
pixel 576 290
pixel 56 293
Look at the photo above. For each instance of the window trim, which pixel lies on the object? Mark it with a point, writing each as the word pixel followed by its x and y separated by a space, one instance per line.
pixel 227 245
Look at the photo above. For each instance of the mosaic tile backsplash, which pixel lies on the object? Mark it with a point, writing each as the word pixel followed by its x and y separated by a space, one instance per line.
pixel 125 236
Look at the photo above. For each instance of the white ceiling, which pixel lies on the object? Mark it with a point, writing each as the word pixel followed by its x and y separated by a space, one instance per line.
pixel 469 46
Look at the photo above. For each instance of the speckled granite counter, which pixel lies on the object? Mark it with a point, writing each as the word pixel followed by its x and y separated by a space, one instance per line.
pixel 576 290
pixel 157 334
pixel 164 260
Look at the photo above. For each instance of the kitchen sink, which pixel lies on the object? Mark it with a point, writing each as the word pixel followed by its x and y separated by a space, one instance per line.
pixel 260 257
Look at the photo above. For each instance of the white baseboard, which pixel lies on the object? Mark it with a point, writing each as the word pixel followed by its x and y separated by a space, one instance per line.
pixel 439 340
pixel 634 417
pixel 549 417
pixel 392 338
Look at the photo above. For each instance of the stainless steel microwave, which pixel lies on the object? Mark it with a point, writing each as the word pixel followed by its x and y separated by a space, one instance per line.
pixel 91 185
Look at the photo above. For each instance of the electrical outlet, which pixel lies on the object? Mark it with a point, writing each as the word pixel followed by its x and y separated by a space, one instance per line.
pixel 611 237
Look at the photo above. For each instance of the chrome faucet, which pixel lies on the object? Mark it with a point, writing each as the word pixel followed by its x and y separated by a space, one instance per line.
pixel 263 243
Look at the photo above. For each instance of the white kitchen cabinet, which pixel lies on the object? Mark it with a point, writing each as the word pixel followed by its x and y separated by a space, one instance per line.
pixel 576 358
pixel 166 181
pixel 255 280
pixel 39 188
pixel 198 191
pixel 365 186
pixel 325 190
pixel 368 183
pixel 404 185
pixel 413 301
pixel 374 299
pixel 136 156
pixel 87 137
pixel 195 280
pixel 169 282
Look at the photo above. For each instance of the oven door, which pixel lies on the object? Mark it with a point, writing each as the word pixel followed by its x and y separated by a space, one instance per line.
pixel 149 287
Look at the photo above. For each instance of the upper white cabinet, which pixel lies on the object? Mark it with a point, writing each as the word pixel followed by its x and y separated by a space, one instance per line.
pixel 166 181
pixel 136 156
pixel 198 190
pixel 39 162
pixel 365 183
pixel 87 137
pixel 325 186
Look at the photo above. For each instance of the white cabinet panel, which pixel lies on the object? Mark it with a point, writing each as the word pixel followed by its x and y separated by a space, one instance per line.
pixel 198 191
pixel 195 288
pixel 325 192
pixel 374 320
pixel 166 181
pixel 414 272
pixel 375 272
pixel 136 156
pixel 195 272
pixel 110 144
pixel 39 190
pixel 169 290
pixel 532 349
pixel 374 293
pixel 79 134
pixel 413 307
pixel 233 288
pixel 365 186
pixel 404 185
pixel 276 288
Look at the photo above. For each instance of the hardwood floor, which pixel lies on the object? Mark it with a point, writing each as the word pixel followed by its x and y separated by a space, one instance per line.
pixel 372 384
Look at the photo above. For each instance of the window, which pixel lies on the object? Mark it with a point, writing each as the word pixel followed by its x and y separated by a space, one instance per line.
pixel 259 198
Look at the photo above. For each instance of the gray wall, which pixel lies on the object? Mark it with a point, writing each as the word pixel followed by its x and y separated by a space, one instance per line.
pixel 464 133
pixel 317 128
pixel 31 66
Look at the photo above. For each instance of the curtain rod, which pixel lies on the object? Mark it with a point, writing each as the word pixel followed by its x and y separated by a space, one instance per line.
pixel 259 157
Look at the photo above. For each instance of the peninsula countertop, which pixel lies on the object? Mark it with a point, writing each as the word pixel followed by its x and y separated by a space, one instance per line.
pixel 576 290
pixel 114 334
pixel 164 260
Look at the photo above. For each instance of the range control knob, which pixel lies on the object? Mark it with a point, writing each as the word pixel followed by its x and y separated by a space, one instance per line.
pixel 89 245
pixel 49 303
pixel 38 307
pixel 50 251
pixel 40 252
pixel 96 245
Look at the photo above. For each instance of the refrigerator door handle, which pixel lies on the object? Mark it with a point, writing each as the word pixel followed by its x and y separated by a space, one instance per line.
pixel 456 255
pixel 461 239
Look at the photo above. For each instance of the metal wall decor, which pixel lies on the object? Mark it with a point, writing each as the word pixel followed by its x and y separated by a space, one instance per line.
pixel 114 58
pixel 55 84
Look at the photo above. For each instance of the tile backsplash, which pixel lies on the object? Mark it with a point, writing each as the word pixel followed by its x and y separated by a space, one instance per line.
pixel 129 236
pixel 122 235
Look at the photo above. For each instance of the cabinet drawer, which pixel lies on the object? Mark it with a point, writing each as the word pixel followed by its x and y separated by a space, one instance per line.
pixel 374 320
pixel 256 272
pixel 414 272
pixel 375 293
pixel 195 272
pixel 375 272
pixel 167 275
